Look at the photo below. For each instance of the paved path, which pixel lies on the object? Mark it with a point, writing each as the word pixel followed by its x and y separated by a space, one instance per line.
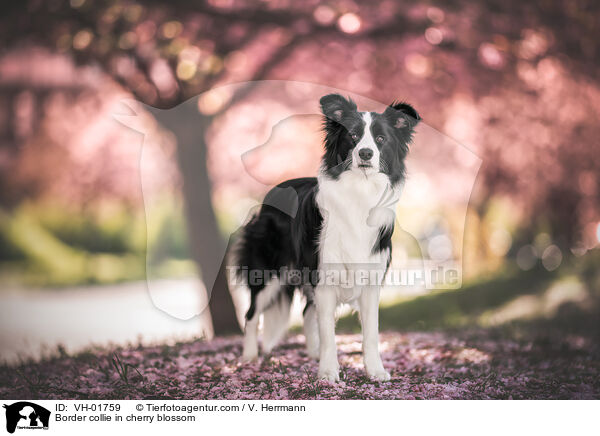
pixel 34 322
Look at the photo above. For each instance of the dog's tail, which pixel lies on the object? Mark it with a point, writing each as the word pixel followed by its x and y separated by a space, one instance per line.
pixel 276 319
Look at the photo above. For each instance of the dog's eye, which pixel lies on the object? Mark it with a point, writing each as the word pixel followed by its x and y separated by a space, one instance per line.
pixel 354 136
pixel 380 139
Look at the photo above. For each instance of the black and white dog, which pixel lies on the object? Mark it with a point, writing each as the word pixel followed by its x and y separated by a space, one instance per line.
pixel 314 234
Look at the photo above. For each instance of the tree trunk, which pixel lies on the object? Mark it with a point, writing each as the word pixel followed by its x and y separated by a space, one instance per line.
pixel 206 242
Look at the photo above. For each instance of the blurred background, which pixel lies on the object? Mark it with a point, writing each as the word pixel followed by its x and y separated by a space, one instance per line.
pixel 115 216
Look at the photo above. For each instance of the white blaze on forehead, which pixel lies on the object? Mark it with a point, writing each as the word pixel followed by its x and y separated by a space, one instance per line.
pixel 367 141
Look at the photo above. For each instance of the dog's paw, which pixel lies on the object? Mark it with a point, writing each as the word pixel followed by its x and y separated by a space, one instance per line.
pixel 380 374
pixel 249 355
pixel 249 359
pixel 330 377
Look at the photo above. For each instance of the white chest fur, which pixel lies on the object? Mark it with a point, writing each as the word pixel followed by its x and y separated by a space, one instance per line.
pixel 349 232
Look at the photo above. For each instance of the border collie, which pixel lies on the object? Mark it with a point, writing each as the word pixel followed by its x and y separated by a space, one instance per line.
pixel 329 236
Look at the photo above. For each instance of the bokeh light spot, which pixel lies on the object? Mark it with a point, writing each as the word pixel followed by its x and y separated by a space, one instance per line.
pixel 434 36
pixel 186 69
pixel 440 248
pixel 490 56
pixel 211 65
pixel 534 44
pixel 435 14
pixel 324 15
pixel 360 81
pixel 552 257
pixel 213 101
pixel 190 53
pixel 579 249
pixel 127 40
pixel 171 29
pixel 349 23
pixel 133 13
pixel 526 257
pixel 418 65
pixel 82 39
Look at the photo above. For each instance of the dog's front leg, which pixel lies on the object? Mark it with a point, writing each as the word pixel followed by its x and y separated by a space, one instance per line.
pixel 251 339
pixel 369 318
pixel 326 301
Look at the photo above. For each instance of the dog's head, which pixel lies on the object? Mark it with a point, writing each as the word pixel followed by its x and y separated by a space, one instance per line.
pixel 368 142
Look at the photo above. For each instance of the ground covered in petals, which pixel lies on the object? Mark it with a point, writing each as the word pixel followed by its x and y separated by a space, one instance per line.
pixel 475 364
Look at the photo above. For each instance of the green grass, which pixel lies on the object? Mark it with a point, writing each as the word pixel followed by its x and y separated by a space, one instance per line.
pixel 45 244
pixel 511 301
pixel 457 308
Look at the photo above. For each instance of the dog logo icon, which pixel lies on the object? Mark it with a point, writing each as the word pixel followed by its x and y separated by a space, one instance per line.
pixel 26 415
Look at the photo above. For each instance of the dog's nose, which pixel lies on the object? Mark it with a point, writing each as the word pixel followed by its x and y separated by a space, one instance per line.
pixel 365 153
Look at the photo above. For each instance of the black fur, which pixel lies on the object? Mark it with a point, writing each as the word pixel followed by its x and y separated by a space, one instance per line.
pixel 274 239
pixel 384 240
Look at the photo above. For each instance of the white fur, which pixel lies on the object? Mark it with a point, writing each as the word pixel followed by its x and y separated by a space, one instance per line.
pixel 367 141
pixel 347 241
pixel 267 295
pixel 369 319
pixel 311 332
pixel 251 339
pixel 275 323
pixel 381 217
pixel 345 204
pixel 326 302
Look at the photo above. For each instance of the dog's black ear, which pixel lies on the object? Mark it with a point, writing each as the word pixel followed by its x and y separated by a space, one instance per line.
pixel 335 107
pixel 402 115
